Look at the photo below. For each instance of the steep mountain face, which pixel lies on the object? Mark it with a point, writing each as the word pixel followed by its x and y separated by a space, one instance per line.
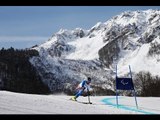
pixel 131 38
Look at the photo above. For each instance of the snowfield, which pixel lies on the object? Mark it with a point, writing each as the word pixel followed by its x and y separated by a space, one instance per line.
pixel 18 103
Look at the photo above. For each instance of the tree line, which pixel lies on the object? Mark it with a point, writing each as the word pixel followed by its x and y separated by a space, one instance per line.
pixel 17 73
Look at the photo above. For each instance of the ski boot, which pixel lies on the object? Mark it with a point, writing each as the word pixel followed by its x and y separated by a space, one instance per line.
pixel 73 98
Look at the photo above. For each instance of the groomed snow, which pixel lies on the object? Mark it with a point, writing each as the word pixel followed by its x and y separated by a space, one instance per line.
pixel 18 103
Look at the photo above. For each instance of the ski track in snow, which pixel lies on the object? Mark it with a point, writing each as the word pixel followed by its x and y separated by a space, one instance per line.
pixel 18 103
pixel 109 101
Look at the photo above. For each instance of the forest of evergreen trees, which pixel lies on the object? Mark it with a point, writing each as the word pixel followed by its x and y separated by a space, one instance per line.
pixel 17 74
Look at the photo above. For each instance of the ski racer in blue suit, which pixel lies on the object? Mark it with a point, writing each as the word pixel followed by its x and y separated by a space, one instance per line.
pixel 85 84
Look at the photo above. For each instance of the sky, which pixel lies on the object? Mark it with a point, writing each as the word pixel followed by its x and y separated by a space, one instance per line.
pixel 25 26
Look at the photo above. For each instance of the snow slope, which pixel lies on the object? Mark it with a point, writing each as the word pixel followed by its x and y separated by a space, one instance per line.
pixel 139 61
pixel 18 103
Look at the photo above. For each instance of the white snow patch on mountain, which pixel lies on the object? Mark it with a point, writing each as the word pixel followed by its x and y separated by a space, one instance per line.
pixel 86 48
pixel 139 61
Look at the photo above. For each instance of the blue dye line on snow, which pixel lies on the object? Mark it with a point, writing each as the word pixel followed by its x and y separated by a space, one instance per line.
pixel 108 101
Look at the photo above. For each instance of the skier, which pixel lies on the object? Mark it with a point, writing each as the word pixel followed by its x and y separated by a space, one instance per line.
pixel 85 84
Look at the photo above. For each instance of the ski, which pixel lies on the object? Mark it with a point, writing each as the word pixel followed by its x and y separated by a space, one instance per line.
pixel 80 101
pixel 85 102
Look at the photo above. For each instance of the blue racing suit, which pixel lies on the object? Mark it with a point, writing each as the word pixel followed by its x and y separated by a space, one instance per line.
pixel 81 87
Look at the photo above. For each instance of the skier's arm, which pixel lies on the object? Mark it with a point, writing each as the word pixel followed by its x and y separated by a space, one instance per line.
pixel 81 85
pixel 87 87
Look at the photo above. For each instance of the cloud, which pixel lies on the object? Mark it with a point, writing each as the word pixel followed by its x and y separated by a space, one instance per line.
pixel 22 38
pixel 21 42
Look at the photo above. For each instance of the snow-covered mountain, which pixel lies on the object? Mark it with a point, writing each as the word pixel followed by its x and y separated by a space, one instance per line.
pixel 131 38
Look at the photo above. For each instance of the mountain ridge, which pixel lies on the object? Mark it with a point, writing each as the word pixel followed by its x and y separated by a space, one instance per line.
pixel 71 55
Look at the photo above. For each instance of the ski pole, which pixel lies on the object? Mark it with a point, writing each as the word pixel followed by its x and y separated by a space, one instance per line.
pixel 88 97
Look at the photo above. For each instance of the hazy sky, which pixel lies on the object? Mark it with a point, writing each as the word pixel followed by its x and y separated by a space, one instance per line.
pixel 25 26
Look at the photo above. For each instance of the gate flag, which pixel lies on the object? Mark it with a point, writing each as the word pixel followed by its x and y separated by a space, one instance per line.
pixel 124 84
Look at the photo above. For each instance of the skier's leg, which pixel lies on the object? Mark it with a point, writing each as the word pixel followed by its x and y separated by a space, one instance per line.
pixel 79 93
